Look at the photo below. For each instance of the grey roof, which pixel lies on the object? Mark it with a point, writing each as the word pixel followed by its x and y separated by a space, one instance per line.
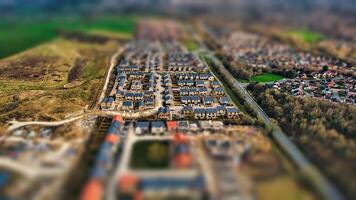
pixel 232 109
pixel 224 100
pixel 210 110
pixel 208 99
pixel 199 110
pixel 157 124
pixel 127 103
pixel 143 124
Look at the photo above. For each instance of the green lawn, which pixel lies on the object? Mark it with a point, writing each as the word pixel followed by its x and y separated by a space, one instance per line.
pixel 191 45
pixel 19 35
pixel 266 77
pixel 307 36
pixel 150 155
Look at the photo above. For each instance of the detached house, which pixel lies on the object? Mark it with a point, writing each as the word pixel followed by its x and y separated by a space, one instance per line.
pixel 208 100
pixel 127 105
pixel 158 127
pixel 107 103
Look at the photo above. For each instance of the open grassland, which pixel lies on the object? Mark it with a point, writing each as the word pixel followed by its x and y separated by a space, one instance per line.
pixel 52 80
pixel 18 35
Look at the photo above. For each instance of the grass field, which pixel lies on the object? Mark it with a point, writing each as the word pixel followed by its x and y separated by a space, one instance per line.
pixel 150 155
pixel 191 45
pixel 18 35
pixel 306 36
pixel 266 77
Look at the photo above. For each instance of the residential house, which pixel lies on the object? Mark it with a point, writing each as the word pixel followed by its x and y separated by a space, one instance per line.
pixel 208 100
pixel 149 102
pixel 142 127
pixel 164 113
pixel 158 127
pixel 187 110
pixel 210 113
pixel 171 125
pixel 225 100
pixel 221 111
pixel 199 83
pixel 199 113
pixel 232 112
pixel 107 103
pixel 127 105
pixel 219 91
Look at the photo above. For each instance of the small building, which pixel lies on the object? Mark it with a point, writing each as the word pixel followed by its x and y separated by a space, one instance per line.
pixel 187 110
pixel 225 100
pixel 221 111
pixel 107 103
pixel 141 105
pixel 183 125
pixel 208 100
pixel 232 112
pixel 164 113
pixel 199 83
pixel 172 125
pixel 158 127
pixel 142 127
pixel 120 95
pixel 148 94
pixel 195 99
pixel 202 91
pixel 215 84
pixel 127 105
pixel 219 91
pixel 149 103
pixel 199 113
pixel 210 113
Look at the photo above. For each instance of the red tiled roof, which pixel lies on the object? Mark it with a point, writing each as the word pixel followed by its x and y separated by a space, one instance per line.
pixel 92 190
pixel 112 138
pixel 183 160
pixel 180 138
pixel 172 124
pixel 128 183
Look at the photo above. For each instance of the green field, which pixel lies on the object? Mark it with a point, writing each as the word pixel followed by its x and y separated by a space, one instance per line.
pixel 191 45
pixel 306 36
pixel 17 35
pixel 266 77
pixel 150 155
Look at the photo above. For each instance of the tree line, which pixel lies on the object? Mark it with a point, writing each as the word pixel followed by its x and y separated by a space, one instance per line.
pixel 325 131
